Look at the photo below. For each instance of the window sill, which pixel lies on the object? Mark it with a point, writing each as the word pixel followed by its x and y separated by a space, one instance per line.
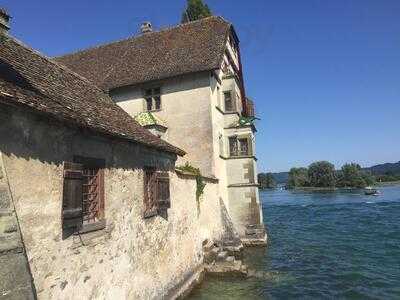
pixel 154 110
pixel 227 112
pixel 239 157
pixel 90 227
pixel 150 214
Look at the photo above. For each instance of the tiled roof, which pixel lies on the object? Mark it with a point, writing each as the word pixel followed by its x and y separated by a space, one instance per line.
pixel 34 81
pixel 148 119
pixel 187 48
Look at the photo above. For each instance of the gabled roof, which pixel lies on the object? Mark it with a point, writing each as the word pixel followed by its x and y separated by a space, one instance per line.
pixel 187 48
pixel 33 81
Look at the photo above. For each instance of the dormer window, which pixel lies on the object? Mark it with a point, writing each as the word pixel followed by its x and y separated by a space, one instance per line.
pixel 152 98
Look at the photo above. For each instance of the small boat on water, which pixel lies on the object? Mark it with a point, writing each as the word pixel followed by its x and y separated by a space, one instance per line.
pixel 369 191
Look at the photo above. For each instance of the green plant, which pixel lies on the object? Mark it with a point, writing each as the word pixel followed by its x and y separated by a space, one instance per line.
pixel 195 10
pixel 200 184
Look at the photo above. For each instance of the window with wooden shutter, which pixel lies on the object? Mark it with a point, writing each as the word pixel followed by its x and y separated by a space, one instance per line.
pixel 162 188
pixel 150 208
pixel 92 192
pixel 72 206
pixel 156 193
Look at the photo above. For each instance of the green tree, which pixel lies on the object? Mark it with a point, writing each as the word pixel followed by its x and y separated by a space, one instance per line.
pixel 322 174
pixel 266 181
pixel 298 177
pixel 352 175
pixel 195 10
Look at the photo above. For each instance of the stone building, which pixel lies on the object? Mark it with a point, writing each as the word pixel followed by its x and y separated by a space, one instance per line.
pixel 91 206
pixel 186 84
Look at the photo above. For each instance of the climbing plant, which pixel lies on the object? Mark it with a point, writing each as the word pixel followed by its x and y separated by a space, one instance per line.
pixel 200 184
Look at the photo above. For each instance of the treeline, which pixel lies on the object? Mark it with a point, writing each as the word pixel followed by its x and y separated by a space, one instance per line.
pixel 323 174
pixel 388 177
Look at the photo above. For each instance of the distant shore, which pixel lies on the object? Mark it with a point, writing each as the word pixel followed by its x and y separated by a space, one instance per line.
pixel 332 189
pixel 389 183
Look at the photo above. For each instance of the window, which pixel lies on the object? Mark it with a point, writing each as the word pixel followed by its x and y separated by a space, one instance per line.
pixel 243 146
pixel 221 144
pixel 153 99
pixel 156 193
pixel 233 150
pixel 83 194
pixel 229 101
pixel 239 146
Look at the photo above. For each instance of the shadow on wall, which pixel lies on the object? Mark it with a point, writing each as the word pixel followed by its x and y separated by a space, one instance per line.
pixel 32 136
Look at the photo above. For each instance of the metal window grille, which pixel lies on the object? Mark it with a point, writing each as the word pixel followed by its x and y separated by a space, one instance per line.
pixel 92 195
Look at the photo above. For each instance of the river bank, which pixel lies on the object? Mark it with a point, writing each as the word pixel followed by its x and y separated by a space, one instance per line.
pixel 339 244
pixel 334 189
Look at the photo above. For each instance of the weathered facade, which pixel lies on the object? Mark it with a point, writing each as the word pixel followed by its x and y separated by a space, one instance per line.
pixel 52 118
pixel 189 76
pixel 131 257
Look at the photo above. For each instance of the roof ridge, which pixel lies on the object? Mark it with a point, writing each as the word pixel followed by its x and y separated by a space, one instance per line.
pixel 52 61
pixel 162 30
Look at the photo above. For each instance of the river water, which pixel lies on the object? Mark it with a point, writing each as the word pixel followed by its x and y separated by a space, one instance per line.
pixel 332 245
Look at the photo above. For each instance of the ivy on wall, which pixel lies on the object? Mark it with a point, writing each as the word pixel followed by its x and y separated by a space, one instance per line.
pixel 200 184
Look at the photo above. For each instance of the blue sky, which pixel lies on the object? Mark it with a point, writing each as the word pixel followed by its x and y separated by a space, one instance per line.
pixel 325 75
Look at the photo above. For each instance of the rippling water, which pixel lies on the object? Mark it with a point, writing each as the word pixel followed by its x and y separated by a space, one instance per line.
pixel 321 245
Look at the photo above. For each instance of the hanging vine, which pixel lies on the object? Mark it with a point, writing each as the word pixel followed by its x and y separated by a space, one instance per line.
pixel 200 184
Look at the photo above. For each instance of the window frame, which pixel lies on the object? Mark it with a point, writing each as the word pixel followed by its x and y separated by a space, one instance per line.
pixel 152 95
pixel 235 146
pixel 153 205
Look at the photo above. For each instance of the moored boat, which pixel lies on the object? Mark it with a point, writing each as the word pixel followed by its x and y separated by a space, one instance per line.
pixel 369 191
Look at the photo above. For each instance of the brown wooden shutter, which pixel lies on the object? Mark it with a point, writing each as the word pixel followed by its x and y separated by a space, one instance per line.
pixel 163 196
pixel 72 212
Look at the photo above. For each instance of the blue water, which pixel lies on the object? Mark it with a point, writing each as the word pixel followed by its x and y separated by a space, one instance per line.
pixel 333 245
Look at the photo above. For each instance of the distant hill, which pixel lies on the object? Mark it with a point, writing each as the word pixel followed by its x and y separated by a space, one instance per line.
pixel 382 169
pixel 281 177
pixel 392 168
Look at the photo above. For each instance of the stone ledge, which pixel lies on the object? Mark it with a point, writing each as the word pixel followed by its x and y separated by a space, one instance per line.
pixel 254 242
pixel 210 178
pixel 239 157
pixel 244 185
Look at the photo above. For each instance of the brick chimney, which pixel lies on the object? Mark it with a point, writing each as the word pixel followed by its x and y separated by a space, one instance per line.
pixel 4 21
pixel 146 27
